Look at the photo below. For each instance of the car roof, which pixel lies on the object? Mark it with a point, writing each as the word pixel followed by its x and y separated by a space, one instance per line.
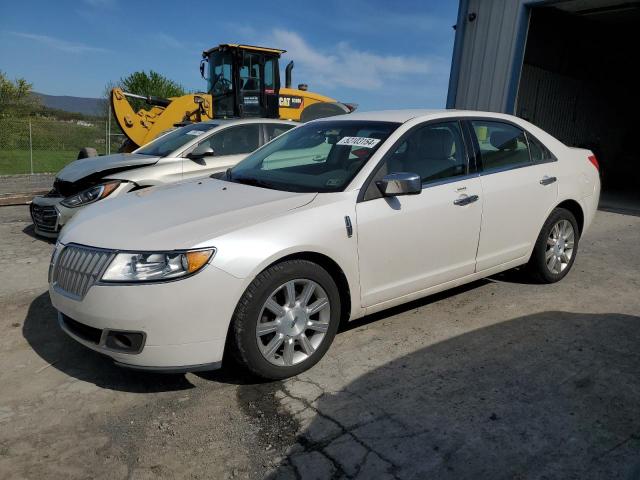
pixel 242 121
pixel 402 116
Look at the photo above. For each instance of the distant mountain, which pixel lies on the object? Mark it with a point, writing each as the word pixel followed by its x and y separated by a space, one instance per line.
pixel 83 105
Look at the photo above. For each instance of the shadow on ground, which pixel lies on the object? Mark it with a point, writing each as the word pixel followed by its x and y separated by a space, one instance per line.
pixel 550 395
pixel 41 330
pixel 421 302
pixel 31 231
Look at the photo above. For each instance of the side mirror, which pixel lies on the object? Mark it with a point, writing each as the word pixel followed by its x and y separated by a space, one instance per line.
pixel 402 183
pixel 201 151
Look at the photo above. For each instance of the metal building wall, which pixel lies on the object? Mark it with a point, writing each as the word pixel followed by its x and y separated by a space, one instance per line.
pixel 488 54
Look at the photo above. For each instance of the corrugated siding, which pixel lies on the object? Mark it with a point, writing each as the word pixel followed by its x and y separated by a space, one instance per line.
pixel 550 100
pixel 573 110
pixel 486 62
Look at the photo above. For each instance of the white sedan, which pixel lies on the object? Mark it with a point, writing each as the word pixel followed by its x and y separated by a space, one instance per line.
pixel 336 219
pixel 194 150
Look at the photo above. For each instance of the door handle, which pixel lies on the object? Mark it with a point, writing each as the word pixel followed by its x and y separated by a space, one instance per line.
pixel 547 180
pixel 465 200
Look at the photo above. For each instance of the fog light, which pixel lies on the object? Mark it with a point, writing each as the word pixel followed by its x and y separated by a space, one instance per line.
pixel 127 342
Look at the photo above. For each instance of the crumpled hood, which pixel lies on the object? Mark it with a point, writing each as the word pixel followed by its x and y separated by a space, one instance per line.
pixel 177 216
pixel 112 163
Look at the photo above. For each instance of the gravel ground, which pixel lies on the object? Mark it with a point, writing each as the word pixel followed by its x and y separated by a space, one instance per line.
pixel 497 379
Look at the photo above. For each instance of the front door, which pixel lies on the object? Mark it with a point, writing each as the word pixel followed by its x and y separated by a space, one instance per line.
pixel 221 84
pixel 251 101
pixel 410 243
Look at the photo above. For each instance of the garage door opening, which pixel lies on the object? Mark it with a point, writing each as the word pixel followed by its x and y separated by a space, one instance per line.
pixel 579 82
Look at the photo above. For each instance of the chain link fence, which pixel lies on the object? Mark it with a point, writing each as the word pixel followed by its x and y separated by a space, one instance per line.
pixel 35 145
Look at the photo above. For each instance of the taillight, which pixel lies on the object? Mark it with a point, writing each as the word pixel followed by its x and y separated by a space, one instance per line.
pixel 594 160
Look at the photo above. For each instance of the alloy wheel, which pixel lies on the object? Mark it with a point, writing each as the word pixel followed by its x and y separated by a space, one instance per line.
pixel 293 322
pixel 560 243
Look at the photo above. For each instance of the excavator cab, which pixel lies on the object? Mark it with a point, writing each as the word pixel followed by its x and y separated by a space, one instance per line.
pixel 243 80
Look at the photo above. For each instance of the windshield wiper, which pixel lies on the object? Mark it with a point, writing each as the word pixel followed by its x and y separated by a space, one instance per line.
pixel 253 182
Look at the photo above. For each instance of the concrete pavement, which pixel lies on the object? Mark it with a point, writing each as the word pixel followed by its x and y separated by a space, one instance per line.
pixel 497 379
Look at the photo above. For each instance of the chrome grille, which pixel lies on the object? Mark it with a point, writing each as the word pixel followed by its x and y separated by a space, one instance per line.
pixel 45 218
pixel 79 268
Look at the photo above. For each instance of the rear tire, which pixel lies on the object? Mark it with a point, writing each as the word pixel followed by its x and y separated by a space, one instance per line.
pixel 556 247
pixel 276 333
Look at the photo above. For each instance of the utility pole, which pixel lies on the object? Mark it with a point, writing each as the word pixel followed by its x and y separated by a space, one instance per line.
pixel 30 147
pixel 109 136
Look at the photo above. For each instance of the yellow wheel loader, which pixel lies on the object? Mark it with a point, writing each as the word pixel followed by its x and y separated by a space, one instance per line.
pixel 242 81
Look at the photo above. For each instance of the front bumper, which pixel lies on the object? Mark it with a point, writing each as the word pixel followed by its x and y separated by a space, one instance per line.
pixel 184 322
pixel 49 215
pixel 45 216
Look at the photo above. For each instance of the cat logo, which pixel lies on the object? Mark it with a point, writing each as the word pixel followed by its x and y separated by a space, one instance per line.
pixel 289 101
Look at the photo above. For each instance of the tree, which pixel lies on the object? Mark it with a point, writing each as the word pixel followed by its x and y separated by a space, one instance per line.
pixel 152 83
pixel 16 95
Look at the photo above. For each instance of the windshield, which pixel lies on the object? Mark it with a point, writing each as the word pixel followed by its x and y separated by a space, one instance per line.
pixel 170 142
pixel 318 157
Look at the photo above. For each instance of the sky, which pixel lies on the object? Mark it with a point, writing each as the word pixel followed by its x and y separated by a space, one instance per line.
pixel 378 54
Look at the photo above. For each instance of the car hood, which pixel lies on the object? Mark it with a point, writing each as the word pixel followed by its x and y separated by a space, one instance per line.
pixel 86 167
pixel 177 216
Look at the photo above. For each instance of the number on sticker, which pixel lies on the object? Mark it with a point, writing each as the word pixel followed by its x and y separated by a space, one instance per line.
pixel 359 141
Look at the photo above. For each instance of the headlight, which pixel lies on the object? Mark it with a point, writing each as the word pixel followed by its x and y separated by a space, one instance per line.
pixel 90 195
pixel 154 266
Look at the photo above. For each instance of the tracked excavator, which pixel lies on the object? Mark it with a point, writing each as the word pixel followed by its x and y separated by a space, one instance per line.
pixel 242 81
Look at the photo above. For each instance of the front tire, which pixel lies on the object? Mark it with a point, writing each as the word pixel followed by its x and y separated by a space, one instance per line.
pixel 556 247
pixel 286 319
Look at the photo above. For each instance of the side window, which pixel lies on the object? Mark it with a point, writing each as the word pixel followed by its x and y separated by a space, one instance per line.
pixel 274 130
pixel 269 76
pixel 539 153
pixel 501 145
pixel 435 152
pixel 235 140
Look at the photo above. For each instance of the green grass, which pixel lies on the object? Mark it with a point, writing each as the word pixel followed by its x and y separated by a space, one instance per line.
pixel 55 143
pixel 13 162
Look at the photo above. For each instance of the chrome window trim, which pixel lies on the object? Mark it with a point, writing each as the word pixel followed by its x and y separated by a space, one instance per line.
pixel 506 169
pixel 444 181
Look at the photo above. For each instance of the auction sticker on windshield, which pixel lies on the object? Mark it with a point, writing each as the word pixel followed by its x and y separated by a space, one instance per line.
pixel 359 141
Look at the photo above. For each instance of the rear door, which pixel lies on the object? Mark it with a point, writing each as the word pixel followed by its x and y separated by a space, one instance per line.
pixel 229 147
pixel 518 192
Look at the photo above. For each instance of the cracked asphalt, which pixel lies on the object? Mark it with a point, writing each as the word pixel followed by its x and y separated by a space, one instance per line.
pixel 497 379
